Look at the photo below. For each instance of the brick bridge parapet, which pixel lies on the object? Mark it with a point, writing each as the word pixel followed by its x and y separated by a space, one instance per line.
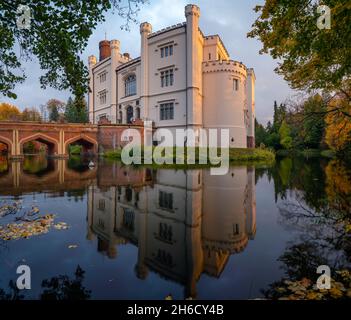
pixel 59 136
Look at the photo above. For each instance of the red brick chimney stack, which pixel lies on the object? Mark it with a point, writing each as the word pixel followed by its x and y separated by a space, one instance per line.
pixel 105 50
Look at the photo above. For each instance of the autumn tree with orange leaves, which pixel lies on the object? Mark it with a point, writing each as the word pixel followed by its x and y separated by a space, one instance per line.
pixel 9 112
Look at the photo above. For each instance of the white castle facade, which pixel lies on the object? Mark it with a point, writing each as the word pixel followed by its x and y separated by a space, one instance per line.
pixel 182 80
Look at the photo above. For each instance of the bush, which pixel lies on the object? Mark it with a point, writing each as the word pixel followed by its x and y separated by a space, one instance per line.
pixel 75 149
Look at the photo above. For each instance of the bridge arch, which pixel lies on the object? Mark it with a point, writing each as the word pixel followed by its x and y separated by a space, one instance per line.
pixel 50 142
pixel 88 143
pixel 8 143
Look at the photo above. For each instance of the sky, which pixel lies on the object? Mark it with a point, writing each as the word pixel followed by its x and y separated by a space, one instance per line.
pixel 231 19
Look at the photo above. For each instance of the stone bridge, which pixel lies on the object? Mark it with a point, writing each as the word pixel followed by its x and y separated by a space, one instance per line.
pixel 58 137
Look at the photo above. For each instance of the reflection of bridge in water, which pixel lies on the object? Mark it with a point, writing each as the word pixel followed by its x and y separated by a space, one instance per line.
pixel 57 176
pixel 184 223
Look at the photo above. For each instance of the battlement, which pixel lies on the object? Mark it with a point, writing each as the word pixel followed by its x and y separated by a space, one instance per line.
pixel 225 65
pixel 170 28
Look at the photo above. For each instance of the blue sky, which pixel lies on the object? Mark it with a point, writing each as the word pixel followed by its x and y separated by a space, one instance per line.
pixel 231 19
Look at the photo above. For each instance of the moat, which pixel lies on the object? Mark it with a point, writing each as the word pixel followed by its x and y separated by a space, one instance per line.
pixel 141 233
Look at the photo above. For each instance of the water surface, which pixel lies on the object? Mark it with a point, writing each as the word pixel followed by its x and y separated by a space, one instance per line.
pixel 140 233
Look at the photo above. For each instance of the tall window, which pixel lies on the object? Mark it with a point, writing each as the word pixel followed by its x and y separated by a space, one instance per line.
pixel 167 51
pixel 130 85
pixel 164 258
pixel 167 111
pixel 165 232
pixel 137 113
pixel 102 204
pixel 128 219
pixel 102 77
pixel 102 97
pixel 165 200
pixel 167 78
pixel 236 84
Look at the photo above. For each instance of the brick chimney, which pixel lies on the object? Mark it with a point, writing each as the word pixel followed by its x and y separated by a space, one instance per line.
pixel 105 50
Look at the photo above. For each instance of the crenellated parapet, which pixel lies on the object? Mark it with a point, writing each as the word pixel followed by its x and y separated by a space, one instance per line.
pixel 231 246
pixel 170 28
pixel 230 66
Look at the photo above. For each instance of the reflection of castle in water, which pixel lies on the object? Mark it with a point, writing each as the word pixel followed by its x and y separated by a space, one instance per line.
pixel 183 222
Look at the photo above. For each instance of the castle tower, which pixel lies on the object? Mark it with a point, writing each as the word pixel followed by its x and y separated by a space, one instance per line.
pixel 194 58
pixel 92 63
pixel 115 53
pixel 145 30
pixel 251 108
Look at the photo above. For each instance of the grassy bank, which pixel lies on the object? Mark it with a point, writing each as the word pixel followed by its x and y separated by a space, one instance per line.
pixel 307 153
pixel 236 155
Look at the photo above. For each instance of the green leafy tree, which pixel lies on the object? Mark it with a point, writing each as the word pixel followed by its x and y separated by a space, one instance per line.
pixel 311 58
pixel 82 110
pixel 260 134
pixel 76 111
pixel 57 35
pixel 285 137
pixel 313 125
pixel 70 111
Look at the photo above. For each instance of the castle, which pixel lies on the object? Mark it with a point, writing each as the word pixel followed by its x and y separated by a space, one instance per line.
pixel 182 79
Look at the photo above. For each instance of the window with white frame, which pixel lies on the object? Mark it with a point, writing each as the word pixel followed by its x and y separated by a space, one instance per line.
pixel 167 78
pixel 167 111
pixel 167 51
pixel 102 77
pixel 130 85
pixel 102 97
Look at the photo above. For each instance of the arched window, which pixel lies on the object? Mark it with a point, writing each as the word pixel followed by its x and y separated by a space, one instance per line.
pixel 130 85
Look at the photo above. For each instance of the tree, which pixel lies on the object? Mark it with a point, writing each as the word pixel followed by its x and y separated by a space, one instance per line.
pixel 260 134
pixel 57 35
pixel 31 114
pixel 9 112
pixel 284 134
pixel 70 111
pixel 311 58
pixel 60 105
pixel 82 110
pixel 55 108
pixel 54 114
pixel 76 111
pixel 338 131
pixel 313 124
